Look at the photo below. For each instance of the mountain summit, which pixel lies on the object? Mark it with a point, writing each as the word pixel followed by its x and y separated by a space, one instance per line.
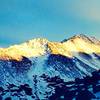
pixel 40 46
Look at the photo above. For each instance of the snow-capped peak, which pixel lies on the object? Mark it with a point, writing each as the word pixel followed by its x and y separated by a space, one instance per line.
pixel 40 46
pixel 31 48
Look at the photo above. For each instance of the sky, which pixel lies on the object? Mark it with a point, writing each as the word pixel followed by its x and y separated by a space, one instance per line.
pixel 22 20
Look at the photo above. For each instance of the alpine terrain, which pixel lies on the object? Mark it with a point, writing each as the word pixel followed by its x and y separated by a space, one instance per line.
pixel 40 69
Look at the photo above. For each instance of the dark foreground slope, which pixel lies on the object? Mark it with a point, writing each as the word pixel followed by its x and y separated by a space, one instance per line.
pixel 80 89
pixel 51 77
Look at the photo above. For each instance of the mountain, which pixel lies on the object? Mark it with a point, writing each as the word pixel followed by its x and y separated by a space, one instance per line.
pixel 42 68
pixel 39 46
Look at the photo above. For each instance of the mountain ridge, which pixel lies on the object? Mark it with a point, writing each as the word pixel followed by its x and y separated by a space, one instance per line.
pixel 41 46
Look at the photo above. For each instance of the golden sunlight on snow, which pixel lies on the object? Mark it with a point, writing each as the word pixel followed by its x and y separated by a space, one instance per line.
pixel 38 47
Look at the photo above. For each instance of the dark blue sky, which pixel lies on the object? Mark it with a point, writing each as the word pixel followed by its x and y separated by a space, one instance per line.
pixel 21 20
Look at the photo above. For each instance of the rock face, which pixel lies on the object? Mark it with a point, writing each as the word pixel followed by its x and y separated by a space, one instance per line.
pixel 40 69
